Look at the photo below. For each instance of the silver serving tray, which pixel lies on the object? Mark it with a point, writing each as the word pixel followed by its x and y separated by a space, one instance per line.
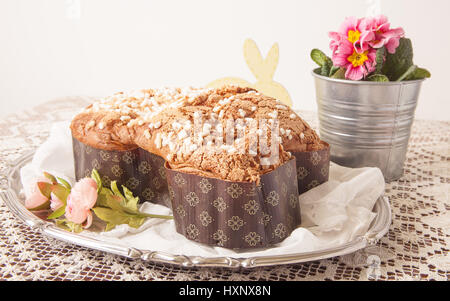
pixel 13 198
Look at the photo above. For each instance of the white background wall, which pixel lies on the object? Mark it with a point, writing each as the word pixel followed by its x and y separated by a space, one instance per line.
pixel 54 48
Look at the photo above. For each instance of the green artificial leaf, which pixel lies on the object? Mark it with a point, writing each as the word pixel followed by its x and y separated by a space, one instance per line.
pixel 109 226
pixel 64 183
pixel 112 206
pixel 136 221
pixel 319 57
pixel 102 197
pixel 115 217
pixel 115 207
pixel 44 206
pixel 45 188
pixel 116 190
pixel 408 73
pixel 340 74
pixel 378 78
pixel 50 177
pixel 69 226
pixel 57 213
pixel 62 224
pixel 129 202
pixel 156 215
pixel 113 202
pixel 110 216
pixel 381 52
pixel 116 210
pixel 398 63
pixel 419 73
pixel 96 176
pixel 60 192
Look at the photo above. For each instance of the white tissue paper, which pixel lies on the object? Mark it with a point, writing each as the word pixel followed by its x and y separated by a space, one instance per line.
pixel 333 213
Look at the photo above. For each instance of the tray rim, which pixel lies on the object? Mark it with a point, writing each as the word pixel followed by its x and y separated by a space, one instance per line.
pixel 10 197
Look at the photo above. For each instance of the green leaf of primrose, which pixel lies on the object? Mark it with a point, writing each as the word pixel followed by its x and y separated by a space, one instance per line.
pixel 319 57
pixel 398 63
pixel 50 177
pixel 419 73
pixel 381 52
pixel 317 70
pixel 407 74
pixel 378 78
pixel 57 213
pixel 333 70
pixel 64 183
pixel 325 70
pixel 340 74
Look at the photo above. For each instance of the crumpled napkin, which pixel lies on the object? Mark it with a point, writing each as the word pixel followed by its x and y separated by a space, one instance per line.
pixel 333 213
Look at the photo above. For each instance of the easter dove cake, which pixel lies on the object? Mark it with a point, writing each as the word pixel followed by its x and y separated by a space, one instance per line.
pixel 229 161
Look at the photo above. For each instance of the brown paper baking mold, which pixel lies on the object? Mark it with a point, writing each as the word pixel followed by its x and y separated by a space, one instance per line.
pixel 312 168
pixel 208 210
pixel 140 171
pixel 236 215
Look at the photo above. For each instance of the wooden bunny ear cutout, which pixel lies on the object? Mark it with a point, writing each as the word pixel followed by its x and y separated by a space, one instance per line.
pixel 253 58
pixel 263 70
pixel 271 62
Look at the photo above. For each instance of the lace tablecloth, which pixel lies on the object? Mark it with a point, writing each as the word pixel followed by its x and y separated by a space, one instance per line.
pixel 415 248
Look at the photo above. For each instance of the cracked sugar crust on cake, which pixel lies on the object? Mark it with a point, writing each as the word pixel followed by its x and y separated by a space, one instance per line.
pixel 209 132
pixel 109 122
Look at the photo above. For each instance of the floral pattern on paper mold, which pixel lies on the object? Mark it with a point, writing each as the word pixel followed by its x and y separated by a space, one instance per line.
pixel 192 199
pixel 234 190
pixel 236 208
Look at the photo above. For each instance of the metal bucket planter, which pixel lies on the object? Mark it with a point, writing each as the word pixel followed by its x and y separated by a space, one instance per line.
pixel 367 123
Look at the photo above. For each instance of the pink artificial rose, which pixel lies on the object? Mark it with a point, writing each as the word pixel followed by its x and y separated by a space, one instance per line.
pixel 36 198
pixel 383 34
pixel 80 201
pixel 357 64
